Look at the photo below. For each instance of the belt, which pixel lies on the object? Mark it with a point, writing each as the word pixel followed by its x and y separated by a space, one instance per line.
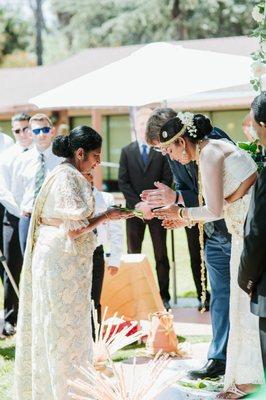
pixel 56 222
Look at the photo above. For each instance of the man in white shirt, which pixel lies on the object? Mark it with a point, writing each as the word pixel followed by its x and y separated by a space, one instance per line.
pixel 30 170
pixel 110 242
pixel 5 142
pixel 11 247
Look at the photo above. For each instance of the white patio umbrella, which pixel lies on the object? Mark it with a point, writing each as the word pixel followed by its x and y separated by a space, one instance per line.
pixel 156 72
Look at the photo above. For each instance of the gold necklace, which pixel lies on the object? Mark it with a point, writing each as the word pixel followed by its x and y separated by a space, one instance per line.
pixel 201 237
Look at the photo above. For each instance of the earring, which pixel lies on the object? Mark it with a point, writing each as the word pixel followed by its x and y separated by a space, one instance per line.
pixel 184 155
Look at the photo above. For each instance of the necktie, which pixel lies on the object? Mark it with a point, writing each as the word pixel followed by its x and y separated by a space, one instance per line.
pixel 40 175
pixel 144 154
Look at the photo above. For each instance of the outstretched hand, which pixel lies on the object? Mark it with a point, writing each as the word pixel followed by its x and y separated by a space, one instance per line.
pixel 170 213
pixel 174 223
pixel 117 213
pixel 162 196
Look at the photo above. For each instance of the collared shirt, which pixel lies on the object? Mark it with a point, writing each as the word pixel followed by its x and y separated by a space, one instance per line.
pixel 7 161
pixel 5 142
pixel 24 175
pixel 141 143
pixel 110 234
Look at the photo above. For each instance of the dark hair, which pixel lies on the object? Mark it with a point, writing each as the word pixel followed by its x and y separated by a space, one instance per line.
pixel 258 107
pixel 202 124
pixel 80 137
pixel 21 117
pixel 157 119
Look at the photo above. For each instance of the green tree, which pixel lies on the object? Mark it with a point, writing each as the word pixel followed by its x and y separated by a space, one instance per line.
pixel 14 33
pixel 15 37
pixel 93 23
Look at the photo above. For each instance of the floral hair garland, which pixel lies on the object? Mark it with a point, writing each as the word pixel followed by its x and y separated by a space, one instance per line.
pixel 187 119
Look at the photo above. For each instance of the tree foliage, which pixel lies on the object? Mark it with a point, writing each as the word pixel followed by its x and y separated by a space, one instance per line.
pixel 77 24
pixel 14 34
pixel 96 23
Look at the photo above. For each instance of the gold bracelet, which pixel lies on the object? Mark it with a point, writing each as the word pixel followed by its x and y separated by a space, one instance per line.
pixel 189 221
pixel 181 213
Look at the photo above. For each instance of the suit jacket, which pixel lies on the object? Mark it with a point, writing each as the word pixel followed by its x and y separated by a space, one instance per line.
pixel 186 181
pixel 133 177
pixel 252 269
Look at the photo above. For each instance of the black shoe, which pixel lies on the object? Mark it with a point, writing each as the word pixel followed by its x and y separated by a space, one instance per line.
pixel 212 369
pixel 207 306
pixel 166 305
pixel 8 329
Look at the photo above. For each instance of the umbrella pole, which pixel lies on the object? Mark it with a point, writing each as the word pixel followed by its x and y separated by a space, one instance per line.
pixel 3 260
pixel 173 267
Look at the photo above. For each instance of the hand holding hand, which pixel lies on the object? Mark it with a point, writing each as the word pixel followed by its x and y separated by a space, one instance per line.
pixel 169 213
pixel 145 208
pixel 162 196
pixel 174 224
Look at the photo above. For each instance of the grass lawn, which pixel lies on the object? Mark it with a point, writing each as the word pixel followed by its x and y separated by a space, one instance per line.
pixel 7 355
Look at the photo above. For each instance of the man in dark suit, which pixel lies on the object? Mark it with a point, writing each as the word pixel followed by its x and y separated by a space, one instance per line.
pixel 252 270
pixel 141 166
pixel 217 245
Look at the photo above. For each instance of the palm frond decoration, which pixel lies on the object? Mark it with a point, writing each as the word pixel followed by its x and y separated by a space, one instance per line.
pixel 123 385
pixel 108 339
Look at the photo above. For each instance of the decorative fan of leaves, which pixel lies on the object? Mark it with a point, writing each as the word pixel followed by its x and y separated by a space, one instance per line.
pixel 123 385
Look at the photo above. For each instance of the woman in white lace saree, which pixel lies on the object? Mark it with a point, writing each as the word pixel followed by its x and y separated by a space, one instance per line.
pixel 227 175
pixel 54 325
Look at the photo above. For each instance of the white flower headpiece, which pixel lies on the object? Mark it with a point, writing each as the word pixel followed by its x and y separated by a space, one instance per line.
pixel 187 119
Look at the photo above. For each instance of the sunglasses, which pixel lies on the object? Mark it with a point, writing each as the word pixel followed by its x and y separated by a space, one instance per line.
pixel 17 131
pixel 44 130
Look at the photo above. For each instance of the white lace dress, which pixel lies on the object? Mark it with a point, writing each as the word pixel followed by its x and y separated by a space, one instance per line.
pixel 54 328
pixel 223 168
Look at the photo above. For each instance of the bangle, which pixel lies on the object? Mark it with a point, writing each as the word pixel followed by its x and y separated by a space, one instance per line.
pixel 106 214
pixel 181 212
pixel 189 221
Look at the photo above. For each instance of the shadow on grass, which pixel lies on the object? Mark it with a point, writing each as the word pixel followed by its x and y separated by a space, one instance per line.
pixel 129 351
pixel 8 353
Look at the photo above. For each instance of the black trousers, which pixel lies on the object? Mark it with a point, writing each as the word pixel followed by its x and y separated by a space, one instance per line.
pixel 97 279
pixel 2 211
pixel 135 235
pixel 262 327
pixel 14 260
pixel 195 259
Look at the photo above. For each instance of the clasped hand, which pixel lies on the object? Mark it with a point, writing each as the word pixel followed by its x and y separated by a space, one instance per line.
pixel 168 213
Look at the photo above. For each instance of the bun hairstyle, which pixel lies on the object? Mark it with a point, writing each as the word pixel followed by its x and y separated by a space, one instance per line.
pixel 195 127
pixel 258 107
pixel 61 146
pixel 80 137
pixel 203 126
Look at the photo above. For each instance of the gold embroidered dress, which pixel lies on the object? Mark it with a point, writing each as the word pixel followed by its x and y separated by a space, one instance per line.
pixel 54 326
